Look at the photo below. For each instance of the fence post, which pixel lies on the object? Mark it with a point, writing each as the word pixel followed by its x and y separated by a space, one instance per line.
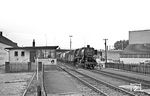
pixel 40 66
pixel 39 90
pixel 7 67
pixel 29 66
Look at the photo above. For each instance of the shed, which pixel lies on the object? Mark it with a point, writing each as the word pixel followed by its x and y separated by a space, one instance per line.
pixel 28 54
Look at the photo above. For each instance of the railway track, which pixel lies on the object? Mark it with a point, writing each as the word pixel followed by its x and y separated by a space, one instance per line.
pixel 103 88
pixel 145 84
pixel 27 89
pixel 123 77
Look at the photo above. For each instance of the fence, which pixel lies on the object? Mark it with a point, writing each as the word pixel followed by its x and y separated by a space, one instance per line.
pixel 140 68
pixel 21 67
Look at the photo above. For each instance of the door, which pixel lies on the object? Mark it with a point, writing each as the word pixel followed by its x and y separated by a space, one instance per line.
pixel 32 56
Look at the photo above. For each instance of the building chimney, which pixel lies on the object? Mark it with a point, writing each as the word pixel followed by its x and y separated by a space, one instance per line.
pixel 33 43
pixel 1 33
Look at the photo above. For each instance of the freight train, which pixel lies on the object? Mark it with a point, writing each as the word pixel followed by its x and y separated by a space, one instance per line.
pixel 82 57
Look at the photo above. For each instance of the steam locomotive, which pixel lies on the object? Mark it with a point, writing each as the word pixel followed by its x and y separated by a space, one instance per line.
pixel 82 57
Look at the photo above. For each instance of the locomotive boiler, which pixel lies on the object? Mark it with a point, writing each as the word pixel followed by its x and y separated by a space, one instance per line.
pixel 84 57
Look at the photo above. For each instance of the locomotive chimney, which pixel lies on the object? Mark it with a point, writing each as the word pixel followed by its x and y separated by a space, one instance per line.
pixel 33 43
pixel 1 33
pixel 88 46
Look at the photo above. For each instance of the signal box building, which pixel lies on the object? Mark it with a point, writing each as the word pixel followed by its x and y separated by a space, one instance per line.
pixel 139 47
pixel 29 54
pixel 5 43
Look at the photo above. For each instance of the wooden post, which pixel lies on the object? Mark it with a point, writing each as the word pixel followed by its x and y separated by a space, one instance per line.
pixel 7 67
pixel 40 66
pixel 106 47
pixel 39 90
pixel 29 66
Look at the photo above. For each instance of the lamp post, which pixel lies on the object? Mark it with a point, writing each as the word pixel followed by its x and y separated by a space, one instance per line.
pixel 70 41
pixel 105 50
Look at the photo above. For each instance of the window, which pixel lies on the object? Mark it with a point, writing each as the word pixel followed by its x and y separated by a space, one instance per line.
pixel 22 53
pixel 16 53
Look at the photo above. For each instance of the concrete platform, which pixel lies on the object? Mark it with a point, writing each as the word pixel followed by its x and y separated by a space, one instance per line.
pixel 59 83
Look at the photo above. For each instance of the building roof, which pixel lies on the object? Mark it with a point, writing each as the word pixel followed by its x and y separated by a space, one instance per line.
pixel 32 48
pixel 62 50
pixel 7 41
pixel 140 30
pixel 137 49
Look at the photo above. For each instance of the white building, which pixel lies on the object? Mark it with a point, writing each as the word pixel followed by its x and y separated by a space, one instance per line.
pixel 139 47
pixel 28 54
pixel 5 43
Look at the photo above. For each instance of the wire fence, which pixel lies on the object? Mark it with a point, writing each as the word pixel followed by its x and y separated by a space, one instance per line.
pixel 139 68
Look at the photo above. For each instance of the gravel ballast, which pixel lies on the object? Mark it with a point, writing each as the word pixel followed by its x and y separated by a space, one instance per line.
pixel 14 84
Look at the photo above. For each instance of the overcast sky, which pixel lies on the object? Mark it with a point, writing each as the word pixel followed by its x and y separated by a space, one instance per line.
pixel 88 21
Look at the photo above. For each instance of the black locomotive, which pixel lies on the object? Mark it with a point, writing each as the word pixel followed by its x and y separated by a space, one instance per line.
pixel 82 57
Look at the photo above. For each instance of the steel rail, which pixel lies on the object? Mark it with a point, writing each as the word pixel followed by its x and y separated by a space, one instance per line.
pixel 123 77
pixel 137 80
pixel 26 90
pixel 86 83
pixel 108 84
pixel 103 82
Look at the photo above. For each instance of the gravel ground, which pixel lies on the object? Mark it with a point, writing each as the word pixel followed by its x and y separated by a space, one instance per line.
pixel 32 88
pixel 114 81
pixel 13 84
pixel 106 89
pixel 84 90
pixel 111 80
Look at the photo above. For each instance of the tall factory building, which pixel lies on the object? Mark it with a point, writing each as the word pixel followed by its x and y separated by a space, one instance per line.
pixel 138 49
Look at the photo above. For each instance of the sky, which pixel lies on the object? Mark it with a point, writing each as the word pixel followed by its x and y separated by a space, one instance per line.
pixel 51 22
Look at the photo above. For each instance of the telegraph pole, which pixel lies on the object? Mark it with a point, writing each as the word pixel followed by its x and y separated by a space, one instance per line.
pixel 70 41
pixel 105 50
pixel 70 45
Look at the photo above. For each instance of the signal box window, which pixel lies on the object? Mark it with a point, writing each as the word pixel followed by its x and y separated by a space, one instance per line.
pixel 16 53
pixel 22 53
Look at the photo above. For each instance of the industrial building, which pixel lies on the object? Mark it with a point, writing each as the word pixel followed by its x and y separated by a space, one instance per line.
pixel 138 49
